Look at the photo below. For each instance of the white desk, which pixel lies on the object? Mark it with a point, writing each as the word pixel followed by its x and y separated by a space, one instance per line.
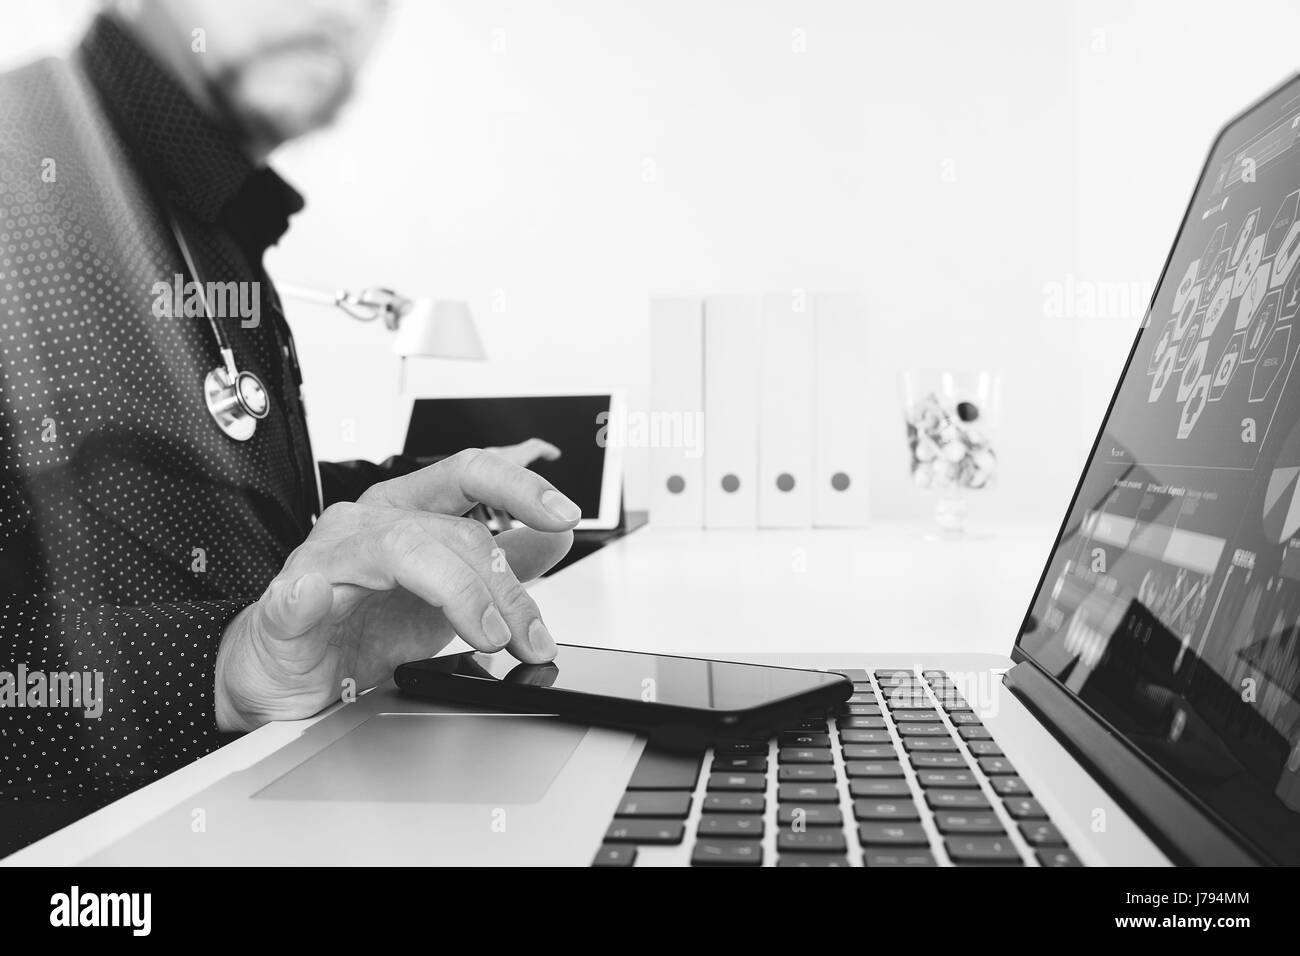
pixel 885 588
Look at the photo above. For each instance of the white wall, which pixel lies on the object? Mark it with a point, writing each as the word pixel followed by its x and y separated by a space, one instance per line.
pixel 563 161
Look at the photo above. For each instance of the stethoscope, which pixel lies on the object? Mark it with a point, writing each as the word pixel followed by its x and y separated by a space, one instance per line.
pixel 236 400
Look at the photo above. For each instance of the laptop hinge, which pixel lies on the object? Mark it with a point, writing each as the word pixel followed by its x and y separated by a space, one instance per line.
pixel 1173 822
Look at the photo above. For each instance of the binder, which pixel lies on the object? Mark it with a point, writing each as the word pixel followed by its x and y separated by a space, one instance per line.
pixel 841 452
pixel 676 425
pixel 732 356
pixel 785 415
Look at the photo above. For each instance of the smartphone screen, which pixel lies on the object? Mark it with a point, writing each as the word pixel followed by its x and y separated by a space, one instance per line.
pixel 651 678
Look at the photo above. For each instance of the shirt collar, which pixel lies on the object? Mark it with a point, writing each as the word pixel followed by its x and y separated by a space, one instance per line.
pixel 191 159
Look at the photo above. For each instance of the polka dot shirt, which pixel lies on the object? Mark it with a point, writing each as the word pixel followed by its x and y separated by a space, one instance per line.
pixel 131 528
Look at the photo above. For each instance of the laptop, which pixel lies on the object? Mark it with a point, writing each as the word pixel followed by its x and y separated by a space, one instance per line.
pixel 1146 712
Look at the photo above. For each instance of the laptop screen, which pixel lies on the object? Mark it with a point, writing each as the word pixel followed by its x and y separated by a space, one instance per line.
pixel 1171 603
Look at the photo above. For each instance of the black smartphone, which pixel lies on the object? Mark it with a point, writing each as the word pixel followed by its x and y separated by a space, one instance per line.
pixel 669 699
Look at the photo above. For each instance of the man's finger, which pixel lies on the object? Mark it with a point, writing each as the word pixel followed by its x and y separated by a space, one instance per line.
pixel 456 484
pixel 293 606
pixel 530 641
pixel 404 553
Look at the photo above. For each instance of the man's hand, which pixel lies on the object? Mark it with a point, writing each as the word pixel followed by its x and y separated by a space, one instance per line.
pixel 393 578
pixel 527 452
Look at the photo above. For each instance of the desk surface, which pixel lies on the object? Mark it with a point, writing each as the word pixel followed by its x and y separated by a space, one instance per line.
pixel 889 587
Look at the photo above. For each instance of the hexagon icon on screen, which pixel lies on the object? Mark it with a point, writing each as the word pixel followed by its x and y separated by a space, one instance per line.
pixel 1248 265
pixel 1162 346
pixel 1218 306
pixel 1217 271
pixel 1244 235
pixel 1190 340
pixel 1262 326
pixel 1211 252
pixel 1193 407
pixel 1163 374
pixel 1281 225
pixel 1291 296
pixel 1185 286
pixel 1193 370
pixel 1268 368
pixel 1191 305
pixel 1288 254
pixel 1227 366
pixel 1252 297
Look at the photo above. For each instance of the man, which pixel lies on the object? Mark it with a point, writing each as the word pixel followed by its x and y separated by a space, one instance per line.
pixel 204 583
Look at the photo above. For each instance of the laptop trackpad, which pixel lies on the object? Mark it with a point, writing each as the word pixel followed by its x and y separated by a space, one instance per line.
pixel 435 758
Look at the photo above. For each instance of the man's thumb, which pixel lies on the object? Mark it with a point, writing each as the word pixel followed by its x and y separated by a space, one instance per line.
pixel 292 607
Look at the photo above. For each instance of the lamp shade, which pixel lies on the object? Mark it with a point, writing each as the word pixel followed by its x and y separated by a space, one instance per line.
pixel 438 329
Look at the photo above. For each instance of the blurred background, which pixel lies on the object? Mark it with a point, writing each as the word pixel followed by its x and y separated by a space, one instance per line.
pixel 1001 181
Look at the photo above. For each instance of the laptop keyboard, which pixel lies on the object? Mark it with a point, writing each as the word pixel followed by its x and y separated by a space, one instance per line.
pixel 904 774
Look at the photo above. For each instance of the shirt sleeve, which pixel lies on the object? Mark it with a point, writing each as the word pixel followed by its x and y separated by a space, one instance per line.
pixel 348 480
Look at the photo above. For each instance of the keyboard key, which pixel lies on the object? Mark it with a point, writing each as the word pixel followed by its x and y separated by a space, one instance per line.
pixel 974 733
pixel 865 737
pixel 1041 833
pixel 900 857
pixel 861 699
pixel 804 755
pixel 814 815
pixel 730 825
pixel 810 841
pixel 922 730
pixel 803 740
pixel 1055 856
pixel 965 717
pixel 863 710
pixel 956 800
pixel 894 673
pixel 872 787
pixel 980 822
pixel 727 853
pixel 874 811
pixel 892 834
pixel 954 779
pixel 981 849
pixel 862 723
pixel 809 725
pixel 996 766
pixel 918 716
pixel 611 854
pixel 734 803
pixel 868 751
pixel 811 859
pixel 753 782
pixel 985 748
pixel 801 793
pixel 1009 786
pixel 648 803
pixel 741 748
pixel 665 770
pixel 646 831
pixel 739 765
pixel 906 702
pixel 924 759
pixel 807 773
pixel 931 744
pixel 1024 808
pixel 873 768
pixel 954 705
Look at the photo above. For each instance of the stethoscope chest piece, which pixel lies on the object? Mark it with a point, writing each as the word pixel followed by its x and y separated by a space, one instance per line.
pixel 236 403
